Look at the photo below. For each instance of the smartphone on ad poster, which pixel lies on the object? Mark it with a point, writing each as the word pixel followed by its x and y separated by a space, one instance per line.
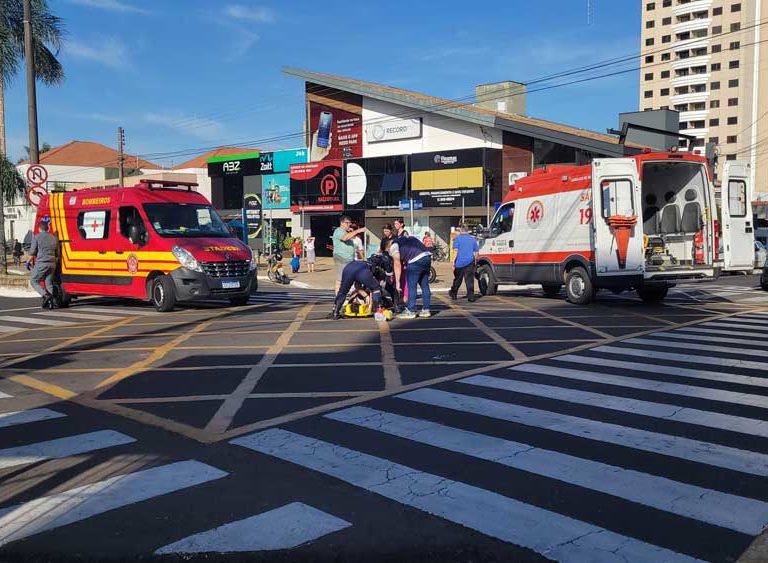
pixel 324 129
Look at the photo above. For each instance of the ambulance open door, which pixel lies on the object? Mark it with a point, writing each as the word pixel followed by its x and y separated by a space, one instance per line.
pixel 617 218
pixel 737 229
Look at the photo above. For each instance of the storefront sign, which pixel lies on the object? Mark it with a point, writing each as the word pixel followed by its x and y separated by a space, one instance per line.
pixel 393 130
pixel 252 216
pixel 283 159
pixel 335 133
pixel 317 186
pixel 448 178
pixel 276 190
pixel 240 165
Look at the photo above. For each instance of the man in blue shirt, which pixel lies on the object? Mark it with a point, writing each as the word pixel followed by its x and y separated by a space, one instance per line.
pixel 467 249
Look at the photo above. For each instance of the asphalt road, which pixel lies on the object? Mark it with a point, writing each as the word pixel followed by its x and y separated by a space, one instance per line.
pixel 516 428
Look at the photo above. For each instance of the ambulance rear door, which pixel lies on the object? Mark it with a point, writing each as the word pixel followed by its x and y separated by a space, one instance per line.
pixel 617 223
pixel 738 236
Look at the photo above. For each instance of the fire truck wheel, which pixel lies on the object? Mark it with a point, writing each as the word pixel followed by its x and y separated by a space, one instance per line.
pixel 163 294
pixel 551 289
pixel 65 299
pixel 578 286
pixel 486 280
pixel 652 294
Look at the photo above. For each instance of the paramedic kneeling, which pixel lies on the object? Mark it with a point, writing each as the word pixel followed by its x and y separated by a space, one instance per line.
pixel 360 272
pixel 44 248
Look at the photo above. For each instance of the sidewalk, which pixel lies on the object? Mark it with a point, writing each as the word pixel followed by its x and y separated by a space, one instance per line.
pixel 324 276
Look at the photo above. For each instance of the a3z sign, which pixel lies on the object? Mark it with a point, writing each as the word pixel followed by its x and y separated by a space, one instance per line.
pixel 231 167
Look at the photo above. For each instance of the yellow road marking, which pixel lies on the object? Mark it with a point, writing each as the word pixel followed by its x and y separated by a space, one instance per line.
pixel 197 398
pixel 226 413
pixel 48 388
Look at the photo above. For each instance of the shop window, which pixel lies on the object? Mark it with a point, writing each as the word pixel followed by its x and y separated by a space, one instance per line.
pixel 93 225
pixel 737 196
pixel 617 197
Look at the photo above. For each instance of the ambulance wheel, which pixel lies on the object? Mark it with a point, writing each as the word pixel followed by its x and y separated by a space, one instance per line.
pixel 486 280
pixel 163 294
pixel 652 294
pixel 578 286
pixel 65 299
pixel 551 289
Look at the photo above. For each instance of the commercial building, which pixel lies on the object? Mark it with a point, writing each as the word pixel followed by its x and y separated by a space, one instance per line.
pixel 707 59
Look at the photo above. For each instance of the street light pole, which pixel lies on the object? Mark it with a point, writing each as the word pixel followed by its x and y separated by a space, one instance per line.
pixel 29 55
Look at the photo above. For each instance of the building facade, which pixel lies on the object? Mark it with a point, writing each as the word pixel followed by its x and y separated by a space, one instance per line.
pixel 708 59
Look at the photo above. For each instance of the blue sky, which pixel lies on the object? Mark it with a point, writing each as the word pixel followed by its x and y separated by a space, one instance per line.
pixel 189 74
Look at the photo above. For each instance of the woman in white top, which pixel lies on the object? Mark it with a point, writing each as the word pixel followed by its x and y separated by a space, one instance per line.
pixel 309 249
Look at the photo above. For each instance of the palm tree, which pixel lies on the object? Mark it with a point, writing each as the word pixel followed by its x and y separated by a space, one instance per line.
pixel 12 187
pixel 47 31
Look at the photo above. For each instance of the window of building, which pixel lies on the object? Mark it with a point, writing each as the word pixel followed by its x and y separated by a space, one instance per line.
pixel 717 11
pixel 649 76
pixel 735 7
pixel 666 38
pixel 664 107
pixel 733 102
pixel 733 83
pixel 714 104
pixel 664 91
pixel 730 139
pixel 733 120
pixel 666 56
pixel 735 45
pixel 699 33
pixel 648 94
pixel 730 157
pixel 649 24
pixel 714 140
pixel 716 48
pixel 650 6
pixel 698 106
pixel 666 21
pixel 649 42
pixel 682 72
pixel 699 88
pixel 714 86
pixel 665 74
pixel 714 67
pixel 717 29
pixel 649 59
pixel 714 122
pixel 93 224
pixel 666 3
pixel 733 64
pixel 735 26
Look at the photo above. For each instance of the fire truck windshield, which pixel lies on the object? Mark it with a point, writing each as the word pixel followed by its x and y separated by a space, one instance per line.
pixel 172 220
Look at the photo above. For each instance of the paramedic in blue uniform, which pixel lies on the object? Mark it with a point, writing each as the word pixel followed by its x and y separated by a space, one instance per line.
pixel 356 272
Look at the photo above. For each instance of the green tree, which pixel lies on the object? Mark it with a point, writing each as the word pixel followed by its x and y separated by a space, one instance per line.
pixel 12 187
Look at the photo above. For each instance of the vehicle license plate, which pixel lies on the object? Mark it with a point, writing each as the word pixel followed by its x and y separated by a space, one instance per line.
pixel 230 284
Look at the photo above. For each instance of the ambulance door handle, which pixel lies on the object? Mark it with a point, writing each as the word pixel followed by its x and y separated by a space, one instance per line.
pixel 120 252
pixel 102 251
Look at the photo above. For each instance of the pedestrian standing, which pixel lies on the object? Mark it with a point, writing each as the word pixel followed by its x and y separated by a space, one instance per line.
pixel 296 250
pixel 467 251
pixel 44 249
pixel 309 249
pixel 412 253
pixel 17 252
pixel 343 246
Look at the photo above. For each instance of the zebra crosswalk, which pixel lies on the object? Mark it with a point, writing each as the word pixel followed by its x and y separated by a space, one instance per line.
pixel 649 449
pixel 77 314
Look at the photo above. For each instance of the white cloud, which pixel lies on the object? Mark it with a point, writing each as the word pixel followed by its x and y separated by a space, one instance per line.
pixel 453 52
pixel 200 127
pixel 259 14
pixel 111 5
pixel 108 51
pixel 96 116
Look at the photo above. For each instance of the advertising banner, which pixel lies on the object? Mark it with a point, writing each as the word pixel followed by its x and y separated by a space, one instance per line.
pixel 316 186
pixel 252 217
pixel 276 189
pixel 448 178
pixel 334 133
pixel 235 165
pixel 284 159
pixel 393 130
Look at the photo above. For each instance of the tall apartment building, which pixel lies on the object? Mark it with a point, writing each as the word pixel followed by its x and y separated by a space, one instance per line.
pixel 708 59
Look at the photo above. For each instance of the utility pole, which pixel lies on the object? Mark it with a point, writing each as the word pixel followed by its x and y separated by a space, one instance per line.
pixel 29 55
pixel 120 156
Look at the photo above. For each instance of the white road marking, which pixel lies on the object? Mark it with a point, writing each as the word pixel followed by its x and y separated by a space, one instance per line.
pixel 744 425
pixel 4 328
pixel 84 316
pixel 74 505
pixel 732 397
pixel 25 417
pixel 62 447
pixel 707 361
pixel 115 310
pixel 702 347
pixel 33 321
pixel 551 534
pixel 282 528
pixel 736 326
pixel 626 436
pixel 721 509
pixel 704 330
pixel 680 335
pixel 760 323
pixel 5 395
pixel 666 370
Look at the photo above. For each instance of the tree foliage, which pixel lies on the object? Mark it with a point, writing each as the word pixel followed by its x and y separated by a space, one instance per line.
pixel 12 186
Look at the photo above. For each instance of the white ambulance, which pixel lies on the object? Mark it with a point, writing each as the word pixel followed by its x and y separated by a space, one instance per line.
pixel 644 222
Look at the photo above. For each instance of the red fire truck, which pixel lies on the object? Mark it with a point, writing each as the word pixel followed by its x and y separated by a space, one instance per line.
pixel 644 222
